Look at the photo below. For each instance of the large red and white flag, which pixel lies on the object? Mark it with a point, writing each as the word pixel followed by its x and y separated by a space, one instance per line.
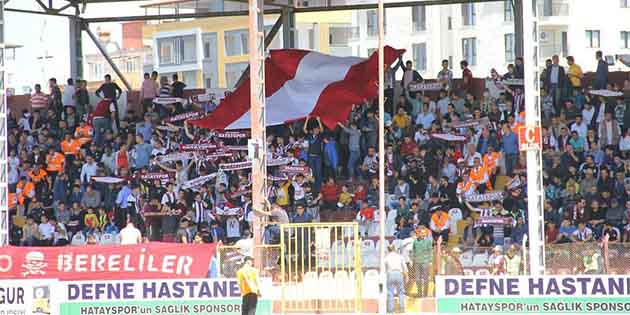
pixel 300 83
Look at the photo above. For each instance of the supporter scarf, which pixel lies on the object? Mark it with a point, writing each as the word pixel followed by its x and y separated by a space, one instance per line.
pixel 184 116
pixel 236 147
pixel 152 176
pixel 212 156
pixel 415 87
pixel 496 195
pixel 198 146
pixel 107 179
pixel 294 170
pixel 177 156
pixel 470 123
pixel 231 134
pixel 448 137
pixel 198 181
pixel 277 178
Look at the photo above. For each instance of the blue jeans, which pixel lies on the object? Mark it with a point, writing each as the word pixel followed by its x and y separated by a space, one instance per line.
pixel 100 125
pixel 510 163
pixel 352 162
pixel 315 163
pixel 395 284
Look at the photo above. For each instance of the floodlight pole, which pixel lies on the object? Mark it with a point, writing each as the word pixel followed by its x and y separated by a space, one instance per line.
pixel 258 123
pixel 535 192
pixel 4 165
pixel 381 154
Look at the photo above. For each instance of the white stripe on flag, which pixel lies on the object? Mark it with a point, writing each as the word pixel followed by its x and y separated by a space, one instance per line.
pixel 298 97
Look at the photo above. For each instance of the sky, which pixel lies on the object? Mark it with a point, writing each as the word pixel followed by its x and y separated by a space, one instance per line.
pixel 48 35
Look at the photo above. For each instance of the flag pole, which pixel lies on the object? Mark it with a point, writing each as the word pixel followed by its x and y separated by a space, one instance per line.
pixel 381 154
pixel 257 145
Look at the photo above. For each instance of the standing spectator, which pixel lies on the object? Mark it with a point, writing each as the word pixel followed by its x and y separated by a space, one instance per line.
pixel 111 91
pixel 510 149
pixel 315 151
pixel 55 100
pixel 467 78
pixel 396 270
pixel 445 76
pixel 148 91
pixel 69 94
pixel 177 88
pixel 409 74
pixel 609 131
pixel 575 75
pixel 130 235
pixel 601 75
pixel 39 99
pixel 82 99
pixel 554 82
pixel 422 253
pixel 354 146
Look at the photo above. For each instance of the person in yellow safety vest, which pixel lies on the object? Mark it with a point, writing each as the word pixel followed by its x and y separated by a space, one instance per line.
pixel 39 177
pixel 84 132
pixel 479 176
pixel 513 261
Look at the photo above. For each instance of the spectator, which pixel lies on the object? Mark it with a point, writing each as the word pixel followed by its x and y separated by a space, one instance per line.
pixel 39 100
pixel 422 254
pixel 601 75
pixel 111 92
pixel 130 235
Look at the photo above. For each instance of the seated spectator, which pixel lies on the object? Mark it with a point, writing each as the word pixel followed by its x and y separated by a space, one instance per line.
pixel 582 233
pixel 345 198
pixel 365 217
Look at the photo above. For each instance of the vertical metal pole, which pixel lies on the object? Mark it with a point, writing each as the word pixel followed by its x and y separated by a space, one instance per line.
pixel 517 8
pixel 288 27
pixel 381 152
pixel 76 47
pixel 535 193
pixel 257 101
pixel 4 165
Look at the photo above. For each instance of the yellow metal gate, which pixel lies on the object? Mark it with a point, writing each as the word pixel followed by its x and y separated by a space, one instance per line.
pixel 321 267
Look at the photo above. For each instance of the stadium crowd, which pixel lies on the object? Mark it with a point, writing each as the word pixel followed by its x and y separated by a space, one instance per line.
pixel 452 164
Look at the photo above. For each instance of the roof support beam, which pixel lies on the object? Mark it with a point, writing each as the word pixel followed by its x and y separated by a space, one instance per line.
pixel 100 47
pixel 38 12
pixel 175 16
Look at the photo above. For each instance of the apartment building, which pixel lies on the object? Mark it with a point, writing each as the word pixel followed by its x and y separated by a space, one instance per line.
pixel 483 33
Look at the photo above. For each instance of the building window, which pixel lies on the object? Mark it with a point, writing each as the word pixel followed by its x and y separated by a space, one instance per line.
pixel 509 47
pixel 624 3
pixel 190 79
pixel 236 43
pixel 233 72
pixel 450 22
pixel 625 39
pixel 177 50
pixel 508 10
pixel 469 50
pixel 468 14
pixel 419 18
pixel 420 56
pixel 339 35
pixel 592 39
pixel 166 49
pixel 372 23
pixel 188 49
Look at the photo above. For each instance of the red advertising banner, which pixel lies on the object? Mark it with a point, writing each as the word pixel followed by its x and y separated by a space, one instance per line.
pixel 145 261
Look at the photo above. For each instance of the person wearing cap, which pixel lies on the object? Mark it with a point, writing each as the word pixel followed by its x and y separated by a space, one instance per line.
pixel 497 261
pixel 249 286
pixel 396 270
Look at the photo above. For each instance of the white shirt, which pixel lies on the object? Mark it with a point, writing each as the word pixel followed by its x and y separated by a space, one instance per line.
pixel 46 230
pixel 87 171
pixel 624 144
pixel 395 262
pixel 130 235
pixel 581 129
pixel 246 247
pixel 67 96
pixel 587 114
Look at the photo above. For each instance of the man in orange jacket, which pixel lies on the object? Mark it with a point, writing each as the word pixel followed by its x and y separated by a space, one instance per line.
pixel 25 191
pixel 479 176
pixel 54 163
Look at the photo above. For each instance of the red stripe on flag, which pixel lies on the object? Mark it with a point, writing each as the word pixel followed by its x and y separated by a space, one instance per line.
pixel 237 103
pixel 360 83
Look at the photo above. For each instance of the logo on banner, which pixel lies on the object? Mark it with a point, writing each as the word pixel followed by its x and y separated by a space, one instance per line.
pixel 34 264
pixel 529 138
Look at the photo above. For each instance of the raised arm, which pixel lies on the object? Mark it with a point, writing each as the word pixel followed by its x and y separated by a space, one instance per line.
pixel 305 128
pixel 187 131
pixel 319 122
pixel 166 168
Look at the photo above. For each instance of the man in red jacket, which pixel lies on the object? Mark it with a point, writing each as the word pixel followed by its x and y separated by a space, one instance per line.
pixel 330 193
